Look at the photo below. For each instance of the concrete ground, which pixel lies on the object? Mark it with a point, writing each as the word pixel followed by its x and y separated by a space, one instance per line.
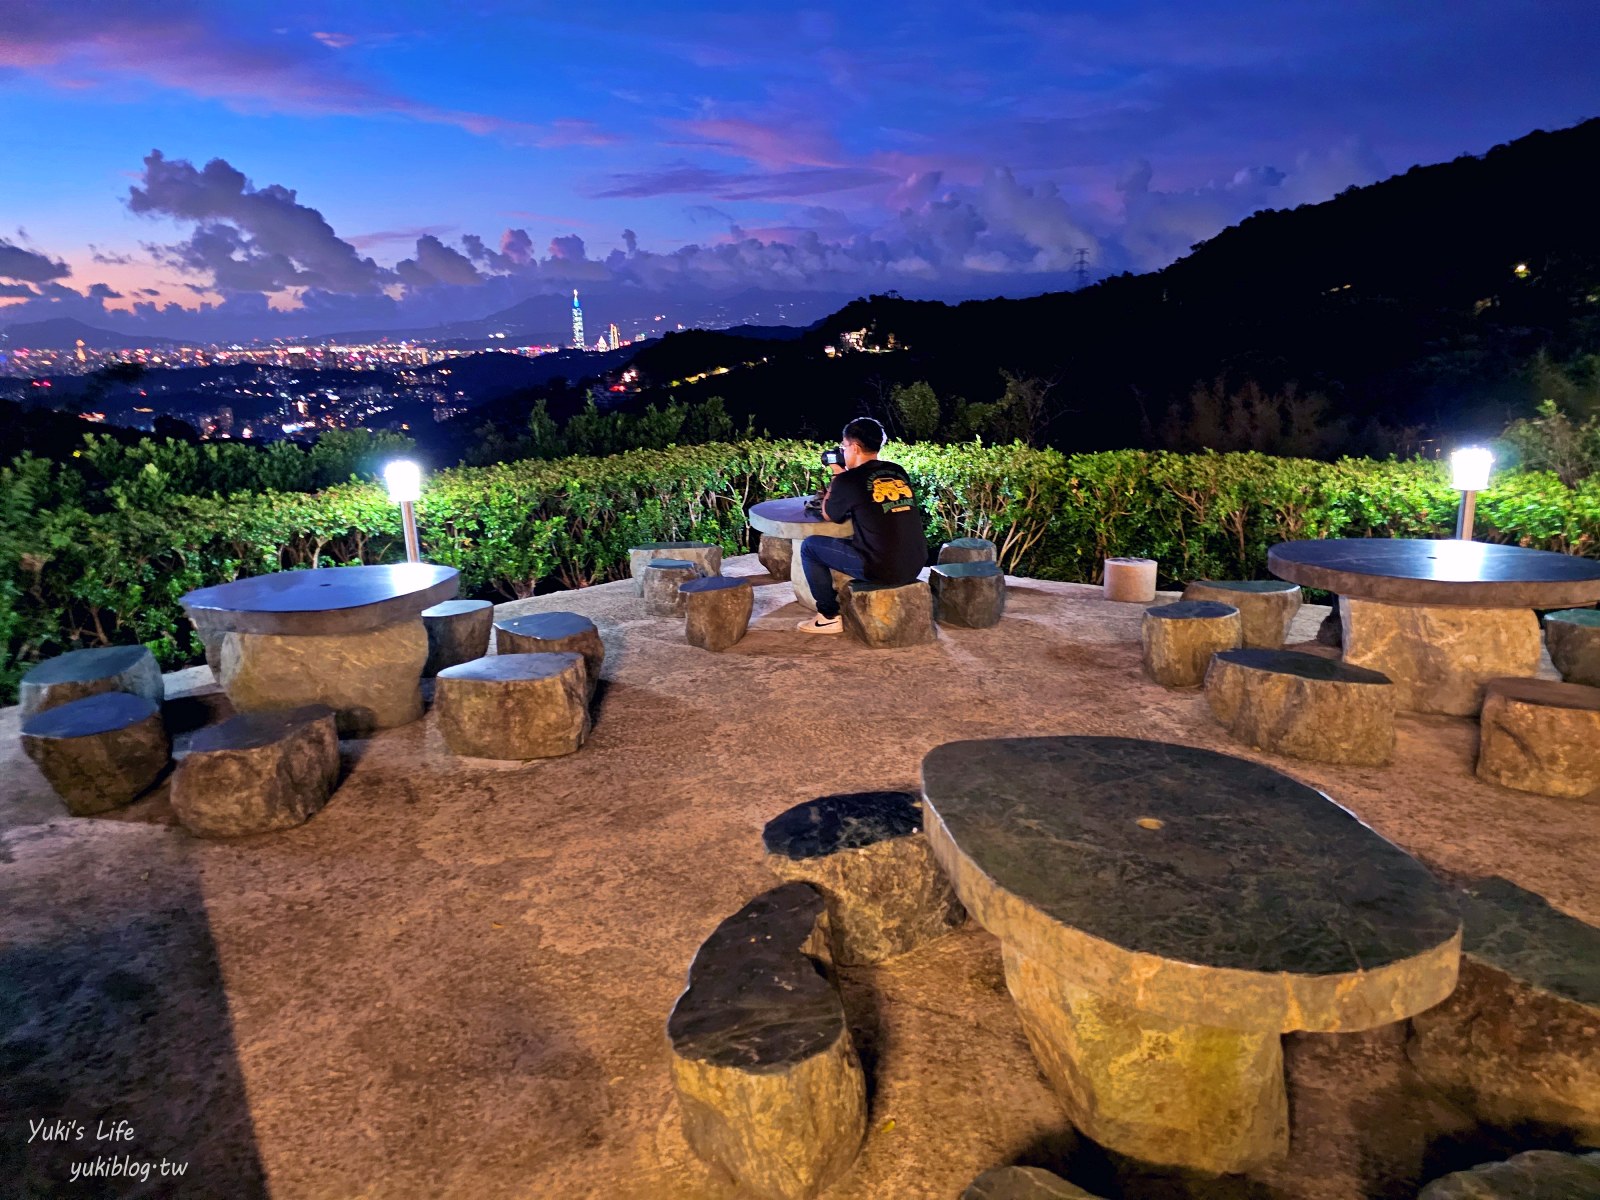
pixel 453 982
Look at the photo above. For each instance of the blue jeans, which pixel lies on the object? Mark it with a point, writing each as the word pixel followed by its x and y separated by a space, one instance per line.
pixel 819 557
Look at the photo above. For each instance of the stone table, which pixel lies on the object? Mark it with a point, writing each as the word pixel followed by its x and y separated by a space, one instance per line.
pixel 348 637
pixel 788 518
pixel 1439 617
pixel 1166 913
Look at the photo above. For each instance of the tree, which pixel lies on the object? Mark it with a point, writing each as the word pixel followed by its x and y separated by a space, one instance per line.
pixel 918 409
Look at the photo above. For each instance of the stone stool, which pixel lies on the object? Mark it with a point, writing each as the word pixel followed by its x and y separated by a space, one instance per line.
pixel 973 549
pixel 1023 1183
pixel 865 852
pixel 514 706
pixel 718 609
pixel 969 593
pixel 769 1086
pixel 1514 1045
pixel 1303 705
pixel 776 555
pixel 1573 638
pixel 256 772
pixel 79 673
pixel 662 578
pixel 553 633
pixel 887 617
pixel 1132 580
pixel 1531 1175
pixel 703 554
pixel 1179 639
pixel 458 632
pixel 1266 607
pixel 1536 735
pixel 99 752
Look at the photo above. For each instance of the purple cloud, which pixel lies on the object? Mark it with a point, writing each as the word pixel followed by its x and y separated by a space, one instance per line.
pixel 24 265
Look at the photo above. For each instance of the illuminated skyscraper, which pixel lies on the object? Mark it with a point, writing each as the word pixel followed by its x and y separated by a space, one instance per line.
pixel 577 322
pixel 616 338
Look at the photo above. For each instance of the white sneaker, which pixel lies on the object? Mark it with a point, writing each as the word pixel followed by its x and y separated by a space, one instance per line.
pixel 821 624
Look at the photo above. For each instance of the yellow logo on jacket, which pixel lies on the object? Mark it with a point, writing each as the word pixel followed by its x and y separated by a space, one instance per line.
pixel 886 489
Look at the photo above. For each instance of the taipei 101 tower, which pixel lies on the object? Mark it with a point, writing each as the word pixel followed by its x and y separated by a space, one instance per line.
pixel 577 322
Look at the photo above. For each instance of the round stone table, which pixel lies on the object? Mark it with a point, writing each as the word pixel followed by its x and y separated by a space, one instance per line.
pixel 788 518
pixel 1166 913
pixel 348 637
pixel 1439 617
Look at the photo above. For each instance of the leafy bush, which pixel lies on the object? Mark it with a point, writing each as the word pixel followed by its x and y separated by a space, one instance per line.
pixel 77 574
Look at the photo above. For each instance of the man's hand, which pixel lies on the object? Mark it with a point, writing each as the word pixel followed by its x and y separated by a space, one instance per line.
pixel 835 469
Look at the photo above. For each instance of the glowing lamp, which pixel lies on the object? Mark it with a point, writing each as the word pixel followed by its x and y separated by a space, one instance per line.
pixel 1469 475
pixel 404 481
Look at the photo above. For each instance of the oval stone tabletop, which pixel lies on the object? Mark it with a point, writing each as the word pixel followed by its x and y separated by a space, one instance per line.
pixel 1444 571
pixel 1190 884
pixel 788 518
pixel 324 600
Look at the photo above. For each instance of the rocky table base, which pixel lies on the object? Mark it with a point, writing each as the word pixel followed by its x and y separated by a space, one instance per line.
pixel 514 706
pixel 100 752
pixel 1536 735
pixel 776 554
pixel 1209 1098
pixel 768 1082
pixel 256 772
pixel 1439 658
pixel 1023 1183
pixel 865 852
pixel 968 549
pixel 371 680
pixel 1266 607
pixel 1573 638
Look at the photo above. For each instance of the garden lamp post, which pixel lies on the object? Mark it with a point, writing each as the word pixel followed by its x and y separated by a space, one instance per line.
pixel 404 481
pixel 1469 475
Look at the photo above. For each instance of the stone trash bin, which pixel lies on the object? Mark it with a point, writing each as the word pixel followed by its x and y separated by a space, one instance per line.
pixel 1130 580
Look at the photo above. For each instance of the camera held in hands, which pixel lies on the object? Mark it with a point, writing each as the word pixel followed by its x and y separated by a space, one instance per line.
pixel 833 457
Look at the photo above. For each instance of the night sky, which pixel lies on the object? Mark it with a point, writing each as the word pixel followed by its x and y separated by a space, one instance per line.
pixel 365 163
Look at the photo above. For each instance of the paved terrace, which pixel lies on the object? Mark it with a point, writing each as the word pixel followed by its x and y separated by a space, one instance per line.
pixel 453 982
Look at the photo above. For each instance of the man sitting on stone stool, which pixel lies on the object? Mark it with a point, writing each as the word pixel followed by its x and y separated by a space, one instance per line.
pixel 888 546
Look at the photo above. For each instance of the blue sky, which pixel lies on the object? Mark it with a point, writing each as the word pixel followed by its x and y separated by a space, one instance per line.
pixel 410 160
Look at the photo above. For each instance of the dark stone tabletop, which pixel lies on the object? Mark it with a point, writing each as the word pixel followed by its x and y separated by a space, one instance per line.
pixel 844 822
pixel 508 668
pixel 549 626
pixel 1185 854
pixel 788 518
pixel 1248 585
pixel 967 570
pixel 250 730
pixel 756 1001
pixel 1521 933
pixel 455 608
pixel 1306 666
pixel 81 666
pixel 970 543
pixel 671 564
pixel 1545 692
pixel 673 546
pixel 90 716
pixel 1185 610
pixel 324 600
pixel 1443 571
pixel 714 583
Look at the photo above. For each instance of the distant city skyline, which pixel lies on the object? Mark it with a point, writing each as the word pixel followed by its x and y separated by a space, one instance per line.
pixel 203 170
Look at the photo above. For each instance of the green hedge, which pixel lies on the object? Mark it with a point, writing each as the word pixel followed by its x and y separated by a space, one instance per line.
pixel 74 577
